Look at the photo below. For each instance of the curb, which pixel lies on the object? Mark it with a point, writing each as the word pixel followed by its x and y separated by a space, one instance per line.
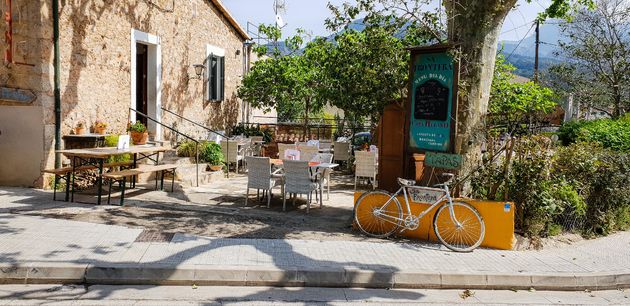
pixel 204 275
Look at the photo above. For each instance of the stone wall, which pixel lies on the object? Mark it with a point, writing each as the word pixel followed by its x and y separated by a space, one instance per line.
pixel 96 61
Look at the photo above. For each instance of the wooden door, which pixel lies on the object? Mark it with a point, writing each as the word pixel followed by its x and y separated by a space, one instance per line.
pixel 391 152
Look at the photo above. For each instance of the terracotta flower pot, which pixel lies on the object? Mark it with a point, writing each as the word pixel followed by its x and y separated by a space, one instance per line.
pixel 79 131
pixel 100 130
pixel 216 167
pixel 139 138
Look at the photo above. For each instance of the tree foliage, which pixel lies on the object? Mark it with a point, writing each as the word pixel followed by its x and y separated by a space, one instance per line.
pixel 514 104
pixel 597 69
pixel 289 83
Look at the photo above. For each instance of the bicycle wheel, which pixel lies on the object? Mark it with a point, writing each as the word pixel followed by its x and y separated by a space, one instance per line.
pixel 462 237
pixel 373 218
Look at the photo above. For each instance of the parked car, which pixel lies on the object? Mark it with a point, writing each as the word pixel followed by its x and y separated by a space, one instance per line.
pixel 359 139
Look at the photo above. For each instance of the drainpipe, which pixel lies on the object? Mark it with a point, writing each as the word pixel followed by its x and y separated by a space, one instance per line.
pixel 55 11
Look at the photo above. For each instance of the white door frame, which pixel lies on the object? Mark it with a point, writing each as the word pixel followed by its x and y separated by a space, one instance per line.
pixel 154 79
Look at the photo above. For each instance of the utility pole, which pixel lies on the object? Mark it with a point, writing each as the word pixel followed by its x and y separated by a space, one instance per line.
pixel 537 45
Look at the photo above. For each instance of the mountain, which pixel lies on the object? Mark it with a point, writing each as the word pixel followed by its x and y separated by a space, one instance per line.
pixel 522 55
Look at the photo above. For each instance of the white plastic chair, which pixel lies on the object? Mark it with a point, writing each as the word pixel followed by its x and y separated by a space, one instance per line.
pixel 291 154
pixel 324 158
pixel 234 155
pixel 366 167
pixel 259 176
pixel 298 180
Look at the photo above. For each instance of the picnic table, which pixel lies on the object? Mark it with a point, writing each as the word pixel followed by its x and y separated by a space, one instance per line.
pixel 97 156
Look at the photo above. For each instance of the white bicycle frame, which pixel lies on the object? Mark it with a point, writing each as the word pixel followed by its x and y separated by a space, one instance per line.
pixel 400 221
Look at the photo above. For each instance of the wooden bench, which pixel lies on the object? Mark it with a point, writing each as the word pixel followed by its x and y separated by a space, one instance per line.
pixel 64 173
pixel 121 177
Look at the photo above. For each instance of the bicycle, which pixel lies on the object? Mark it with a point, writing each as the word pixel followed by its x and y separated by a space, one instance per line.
pixel 379 214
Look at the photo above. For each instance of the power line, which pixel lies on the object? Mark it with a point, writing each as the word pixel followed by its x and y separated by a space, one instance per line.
pixel 520 41
pixel 516 28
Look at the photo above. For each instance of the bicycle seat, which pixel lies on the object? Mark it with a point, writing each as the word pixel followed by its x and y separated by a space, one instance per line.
pixel 404 182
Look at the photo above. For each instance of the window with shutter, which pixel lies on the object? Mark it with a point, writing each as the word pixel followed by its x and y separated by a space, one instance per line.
pixel 216 78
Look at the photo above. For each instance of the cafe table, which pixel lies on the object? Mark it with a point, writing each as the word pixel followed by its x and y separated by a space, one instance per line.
pixel 97 157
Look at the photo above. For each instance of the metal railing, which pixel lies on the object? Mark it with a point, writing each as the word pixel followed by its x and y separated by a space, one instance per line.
pixel 227 142
pixel 175 131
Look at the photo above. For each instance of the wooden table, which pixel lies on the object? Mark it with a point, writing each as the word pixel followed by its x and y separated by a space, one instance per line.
pixel 97 156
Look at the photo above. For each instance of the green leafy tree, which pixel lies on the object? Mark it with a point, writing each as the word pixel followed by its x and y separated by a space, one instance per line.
pixel 514 105
pixel 472 25
pixel 291 82
pixel 597 71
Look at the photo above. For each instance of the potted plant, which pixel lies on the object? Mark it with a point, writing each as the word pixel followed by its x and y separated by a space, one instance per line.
pixel 211 153
pixel 100 127
pixel 79 128
pixel 138 133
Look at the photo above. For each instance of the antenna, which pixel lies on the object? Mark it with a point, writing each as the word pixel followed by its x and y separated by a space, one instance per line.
pixel 280 8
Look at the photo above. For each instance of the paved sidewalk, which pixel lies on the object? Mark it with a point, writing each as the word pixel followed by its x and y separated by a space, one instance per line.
pixel 42 250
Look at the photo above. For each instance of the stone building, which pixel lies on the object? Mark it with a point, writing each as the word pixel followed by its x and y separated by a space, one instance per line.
pixel 114 55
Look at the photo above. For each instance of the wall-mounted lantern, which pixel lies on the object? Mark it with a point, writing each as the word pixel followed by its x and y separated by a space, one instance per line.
pixel 198 72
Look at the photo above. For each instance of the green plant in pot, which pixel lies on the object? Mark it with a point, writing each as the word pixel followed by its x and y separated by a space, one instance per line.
pixel 139 133
pixel 211 153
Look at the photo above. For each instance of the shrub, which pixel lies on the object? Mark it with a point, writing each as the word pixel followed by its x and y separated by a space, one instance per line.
pixel 211 153
pixel 608 200
pixel 612 134
pixel 112 141
pixel 253 130
pixel 581 187
pixel 187 148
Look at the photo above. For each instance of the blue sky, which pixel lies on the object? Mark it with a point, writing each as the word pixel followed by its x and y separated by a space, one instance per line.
pixel 310 15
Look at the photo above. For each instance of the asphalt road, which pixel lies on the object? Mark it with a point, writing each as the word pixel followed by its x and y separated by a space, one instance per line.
pixel 192 295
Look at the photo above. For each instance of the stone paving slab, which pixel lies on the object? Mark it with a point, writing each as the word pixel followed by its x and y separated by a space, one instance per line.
pixel 42 250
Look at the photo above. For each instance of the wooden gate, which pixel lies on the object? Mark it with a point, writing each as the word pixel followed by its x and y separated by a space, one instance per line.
pixel 391 156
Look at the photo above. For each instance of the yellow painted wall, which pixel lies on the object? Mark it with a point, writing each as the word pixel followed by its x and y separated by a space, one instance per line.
pixel 499 222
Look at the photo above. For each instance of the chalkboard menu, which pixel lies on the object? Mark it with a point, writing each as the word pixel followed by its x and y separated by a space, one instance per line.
pixel 432 101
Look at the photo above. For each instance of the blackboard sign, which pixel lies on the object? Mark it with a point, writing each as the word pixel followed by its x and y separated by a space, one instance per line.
pixel 432 101
pixel 432 106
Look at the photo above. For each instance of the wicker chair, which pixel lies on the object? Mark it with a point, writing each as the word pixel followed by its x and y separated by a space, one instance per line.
pixel 283 147
pixel 298 180
pixel 366 167
pixel 235 154
pixel 259 176
pixel 307 152
pixel 325 145
pixel 342 151
pixel 324 158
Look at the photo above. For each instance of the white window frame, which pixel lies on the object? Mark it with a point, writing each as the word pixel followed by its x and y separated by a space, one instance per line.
pixel 217 52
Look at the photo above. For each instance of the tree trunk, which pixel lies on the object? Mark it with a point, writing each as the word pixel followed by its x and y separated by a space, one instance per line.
pixel 474 27
pixel 306 114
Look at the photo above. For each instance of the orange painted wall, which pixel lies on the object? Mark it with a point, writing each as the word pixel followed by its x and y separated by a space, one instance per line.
pixel 498 219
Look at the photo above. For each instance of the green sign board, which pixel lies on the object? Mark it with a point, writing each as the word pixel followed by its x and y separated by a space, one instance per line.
pixel 443 160
pixel 432 92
